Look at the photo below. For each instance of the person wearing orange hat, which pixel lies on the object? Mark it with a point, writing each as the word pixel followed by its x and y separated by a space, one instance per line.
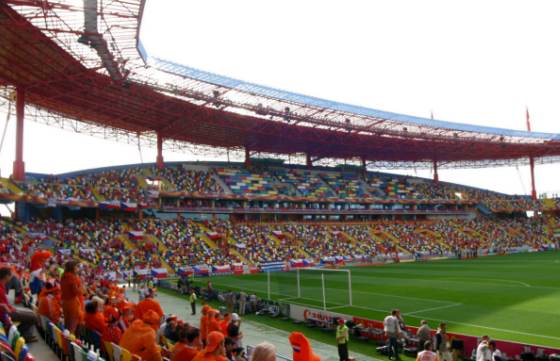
pixel 39 258
pixel 188 345
pixel 72 297
pixel 113 332
pixel 204 323
pixel 49 303
pixel 214 350
pixel 151 318
pixel 140 339
pixel 110 310
pixel 147 304
pixel 93 319
pixel 213 321
pixel 127 312
pixel 37 270
pixel 302 348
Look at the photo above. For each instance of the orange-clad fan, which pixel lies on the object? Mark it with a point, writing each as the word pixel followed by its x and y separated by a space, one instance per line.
pixel 302 348
pixel 49 303
pixel 214 350
pixel 113 332
pixel 204 323
pixel 224 324
pixel 127 311
pixel 94 319
pixel 148 304
pixel 151 318
pixel 188 345
pixel 110 310
pixel 213 321
pixel 72 297
pixel 140 340
pixel 39 258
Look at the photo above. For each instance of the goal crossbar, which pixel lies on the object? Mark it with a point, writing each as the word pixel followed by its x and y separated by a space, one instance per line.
pixel 324 271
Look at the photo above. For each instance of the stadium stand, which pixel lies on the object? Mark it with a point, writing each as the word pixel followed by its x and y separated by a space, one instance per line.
pixel 182 179
pixel 245 183
pixel 307 183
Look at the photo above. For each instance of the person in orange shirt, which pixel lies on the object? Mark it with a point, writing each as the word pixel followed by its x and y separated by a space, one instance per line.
pixel 127 312
pixel 204 323
pixel 188 345
pixel 72 297
pixel 224 324
pixel 146 305
pixel 113 332
pixel 49 303
pixel 94 319
pixel 214 350
pixel 140 340
pixel 213 321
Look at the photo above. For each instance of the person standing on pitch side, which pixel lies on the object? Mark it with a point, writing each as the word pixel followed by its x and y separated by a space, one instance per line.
pixel 342 338
pixel 192 301
pixel 392 332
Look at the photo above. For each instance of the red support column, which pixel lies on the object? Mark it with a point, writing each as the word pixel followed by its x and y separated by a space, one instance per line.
pixel 159 158
pixel 19 165
pixel 308 162
pixel 436 175
pixel 533 188
pixel 247 157
pixel 531 159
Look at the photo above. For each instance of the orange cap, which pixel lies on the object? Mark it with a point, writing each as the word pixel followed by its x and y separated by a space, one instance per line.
pixel 151 318
pixel 213 341
pixel 205 309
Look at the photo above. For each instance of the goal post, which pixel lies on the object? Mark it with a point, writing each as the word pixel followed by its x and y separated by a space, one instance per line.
pixel 335 285
pixel 322 287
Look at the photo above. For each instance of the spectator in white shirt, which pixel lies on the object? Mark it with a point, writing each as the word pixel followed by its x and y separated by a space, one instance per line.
pixel 392 332
pixel 483 352
pixel 427 354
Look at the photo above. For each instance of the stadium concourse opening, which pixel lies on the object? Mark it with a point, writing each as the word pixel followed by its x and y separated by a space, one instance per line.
pixel 331 243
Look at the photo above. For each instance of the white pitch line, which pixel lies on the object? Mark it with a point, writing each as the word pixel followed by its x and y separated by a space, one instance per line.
pixel 341 306
pixel 481 281
pixel 463 323
pixel 434 308
pixel 432 319
pixel 402 297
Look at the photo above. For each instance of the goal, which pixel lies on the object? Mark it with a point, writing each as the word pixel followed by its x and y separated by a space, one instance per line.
pixel 314 286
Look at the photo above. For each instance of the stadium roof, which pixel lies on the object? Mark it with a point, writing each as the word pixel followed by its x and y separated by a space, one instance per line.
pixel 83 65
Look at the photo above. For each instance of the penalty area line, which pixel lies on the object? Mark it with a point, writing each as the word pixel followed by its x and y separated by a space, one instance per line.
pixel 434 309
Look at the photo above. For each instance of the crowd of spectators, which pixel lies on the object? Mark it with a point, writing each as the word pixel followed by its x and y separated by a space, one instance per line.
pixel 184 243
pixel 142 185
pixel 181 242
pixel 181 179
pixel 59 189
pixel 91 309
pixel 96 317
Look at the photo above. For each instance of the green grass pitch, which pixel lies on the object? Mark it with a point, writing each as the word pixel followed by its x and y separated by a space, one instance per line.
pixel 514 297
